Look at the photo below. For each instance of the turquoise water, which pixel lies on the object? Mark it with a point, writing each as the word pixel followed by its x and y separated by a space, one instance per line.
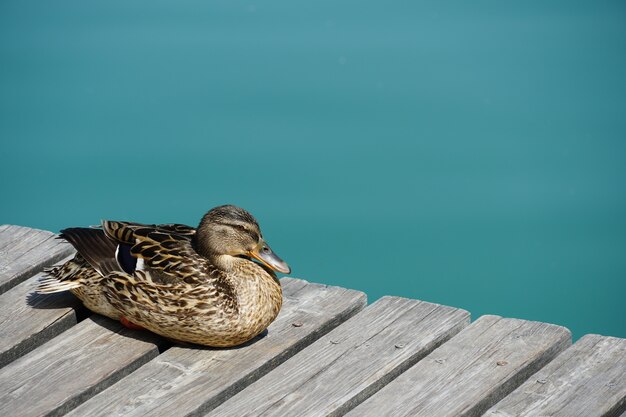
pixel 465 153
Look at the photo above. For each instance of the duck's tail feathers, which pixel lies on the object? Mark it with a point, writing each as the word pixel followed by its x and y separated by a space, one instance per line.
pixel 93 244
pixel 49 285
pixel 62 277
pixel 72 274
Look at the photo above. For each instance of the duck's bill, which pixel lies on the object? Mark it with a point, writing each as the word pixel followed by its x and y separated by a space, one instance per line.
pixel 264 254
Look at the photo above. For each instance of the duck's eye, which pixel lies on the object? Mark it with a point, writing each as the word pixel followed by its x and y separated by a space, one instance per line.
pixel 241 227
pixel 266 249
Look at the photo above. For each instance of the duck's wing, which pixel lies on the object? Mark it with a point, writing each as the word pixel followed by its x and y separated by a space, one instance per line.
pixel 93 245
pixel 123 232
pixel 164 250
pixel 101 253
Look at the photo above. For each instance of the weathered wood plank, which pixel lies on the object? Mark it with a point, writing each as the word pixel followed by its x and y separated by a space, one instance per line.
pixel 588 379
pixel 10 233
pixel 25 251
pixel 184 381
pixel 72 367
pixel 28 320
pixel 470 372
pixel 350 363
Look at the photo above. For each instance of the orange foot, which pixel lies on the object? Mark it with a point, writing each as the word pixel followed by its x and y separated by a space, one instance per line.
pixel 129 324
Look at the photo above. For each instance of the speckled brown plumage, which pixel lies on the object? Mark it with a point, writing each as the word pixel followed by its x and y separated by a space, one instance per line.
pixel 199 286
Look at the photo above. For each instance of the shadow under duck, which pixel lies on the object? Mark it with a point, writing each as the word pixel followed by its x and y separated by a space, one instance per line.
pixel 192 285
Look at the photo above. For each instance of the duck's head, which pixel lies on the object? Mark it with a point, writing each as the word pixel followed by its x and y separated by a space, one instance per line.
pixel 228 232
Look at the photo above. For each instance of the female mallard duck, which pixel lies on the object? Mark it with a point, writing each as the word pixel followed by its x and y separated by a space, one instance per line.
pixel 192 285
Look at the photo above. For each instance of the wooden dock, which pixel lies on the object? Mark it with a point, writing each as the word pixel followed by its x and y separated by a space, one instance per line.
pixel 327 353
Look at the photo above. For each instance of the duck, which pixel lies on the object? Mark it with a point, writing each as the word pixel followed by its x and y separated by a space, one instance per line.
pixel 214 285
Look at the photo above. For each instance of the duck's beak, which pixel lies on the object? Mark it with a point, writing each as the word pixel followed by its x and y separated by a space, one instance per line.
pixel 264 254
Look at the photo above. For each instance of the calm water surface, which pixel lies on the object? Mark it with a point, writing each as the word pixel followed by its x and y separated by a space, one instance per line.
pixel 470 155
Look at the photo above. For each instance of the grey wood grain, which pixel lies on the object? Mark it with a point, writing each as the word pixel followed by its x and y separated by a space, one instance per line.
pixel 25 251
pixel 587 380
pixel 471 372
pixel 28 320
pixel 351 362
pixel 62 373
pixel 191 381
pixel 10 233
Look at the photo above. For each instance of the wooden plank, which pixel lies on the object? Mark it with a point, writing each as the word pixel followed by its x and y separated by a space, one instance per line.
pixel 588 379
pixel 25 252
pixel 471 372
pixel 72 367
pixel 185 381
pixel 10 233
pixel 350 363
pixel 28 320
